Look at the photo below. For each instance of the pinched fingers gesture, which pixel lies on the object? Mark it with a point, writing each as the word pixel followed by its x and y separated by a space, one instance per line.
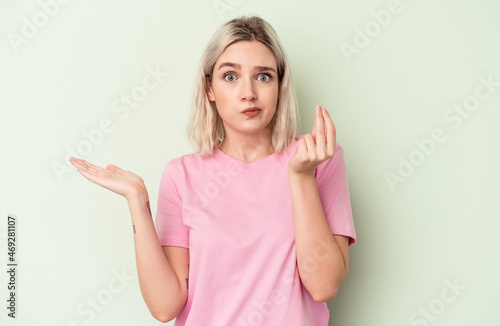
pixel 316 147
pixel 113 178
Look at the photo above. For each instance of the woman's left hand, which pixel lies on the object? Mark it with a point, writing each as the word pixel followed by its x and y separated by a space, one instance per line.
pixel 315 147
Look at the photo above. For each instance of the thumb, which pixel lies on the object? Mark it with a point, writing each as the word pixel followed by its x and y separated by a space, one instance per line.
pixel 112 167
pixel 302 147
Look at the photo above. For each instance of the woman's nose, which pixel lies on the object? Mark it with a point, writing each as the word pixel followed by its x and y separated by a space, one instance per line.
pixel 248 92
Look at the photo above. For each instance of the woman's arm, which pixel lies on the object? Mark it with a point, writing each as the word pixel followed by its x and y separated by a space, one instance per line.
pixel 162 272
pixel 322 257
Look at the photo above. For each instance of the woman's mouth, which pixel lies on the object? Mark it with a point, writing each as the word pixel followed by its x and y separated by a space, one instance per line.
pixel 252 112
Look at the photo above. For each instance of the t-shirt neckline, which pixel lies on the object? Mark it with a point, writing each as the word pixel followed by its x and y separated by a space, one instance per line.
pixel 242 166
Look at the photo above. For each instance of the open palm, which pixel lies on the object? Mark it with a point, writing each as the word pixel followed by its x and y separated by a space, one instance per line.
pixel 122 182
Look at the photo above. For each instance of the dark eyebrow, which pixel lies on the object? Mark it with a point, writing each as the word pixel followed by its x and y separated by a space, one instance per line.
pixel 237 66
pixel 229 64
pixel 263 68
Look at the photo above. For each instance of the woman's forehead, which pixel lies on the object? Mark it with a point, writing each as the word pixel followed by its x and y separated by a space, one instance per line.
pixel 247 54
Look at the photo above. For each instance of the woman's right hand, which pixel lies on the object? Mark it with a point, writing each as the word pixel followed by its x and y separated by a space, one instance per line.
pixel 122 182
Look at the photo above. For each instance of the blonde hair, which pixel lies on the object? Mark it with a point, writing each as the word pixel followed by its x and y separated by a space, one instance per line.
pixel 205 128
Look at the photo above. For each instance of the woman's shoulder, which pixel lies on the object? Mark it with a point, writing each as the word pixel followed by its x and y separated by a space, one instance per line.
pixel 189 162
pixel 186 159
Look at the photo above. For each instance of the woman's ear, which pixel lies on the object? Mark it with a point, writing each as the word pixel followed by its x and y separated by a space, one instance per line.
pixel 210 92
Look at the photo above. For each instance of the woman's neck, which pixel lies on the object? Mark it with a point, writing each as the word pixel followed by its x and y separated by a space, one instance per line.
pixel 248 148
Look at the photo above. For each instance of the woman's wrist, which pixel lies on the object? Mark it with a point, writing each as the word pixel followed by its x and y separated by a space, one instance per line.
pixel 137 192
pixel 139 207
pixel 293 175
pixel 137 195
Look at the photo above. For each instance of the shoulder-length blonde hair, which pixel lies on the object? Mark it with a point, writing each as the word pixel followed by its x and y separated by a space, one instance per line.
pixel 205 128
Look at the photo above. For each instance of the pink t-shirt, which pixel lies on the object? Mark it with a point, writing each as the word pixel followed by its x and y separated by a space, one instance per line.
pixel 236 219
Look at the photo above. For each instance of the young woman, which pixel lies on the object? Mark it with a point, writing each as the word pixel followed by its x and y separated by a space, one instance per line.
pixel 254 227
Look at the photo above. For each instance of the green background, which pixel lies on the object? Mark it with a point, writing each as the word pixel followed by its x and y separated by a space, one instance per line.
pixel 427 250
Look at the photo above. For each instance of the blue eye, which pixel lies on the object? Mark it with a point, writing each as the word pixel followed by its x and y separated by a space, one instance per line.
pixel 230 77
pixel 264 78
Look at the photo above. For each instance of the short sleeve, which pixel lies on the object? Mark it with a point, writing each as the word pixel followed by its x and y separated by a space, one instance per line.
pixel 168 222
pixel 333 189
